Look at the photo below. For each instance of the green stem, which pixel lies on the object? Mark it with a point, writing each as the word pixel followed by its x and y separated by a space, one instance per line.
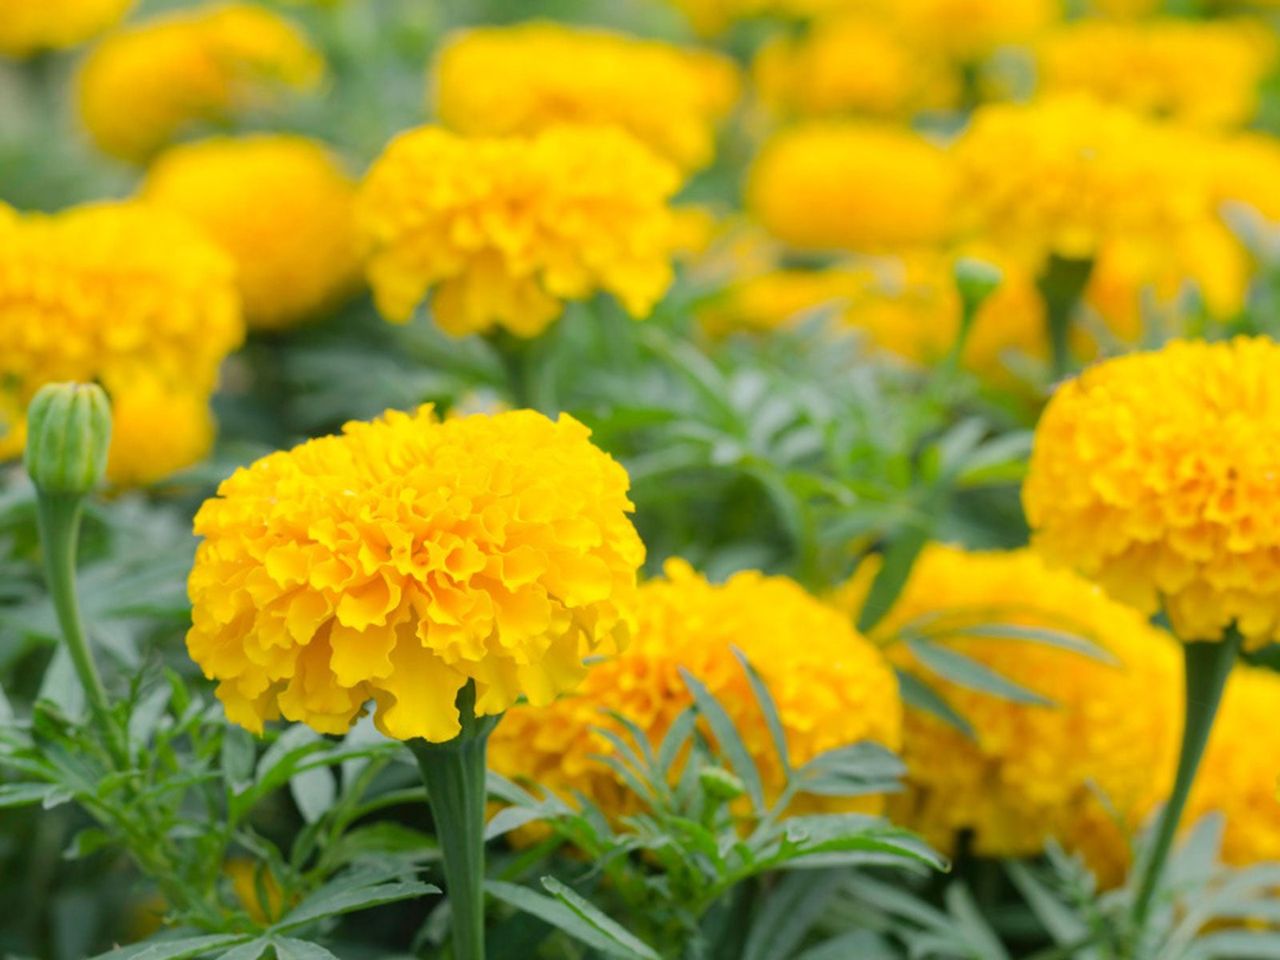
pixel 516 356
pixel 59 522
pixel 1207 666
pixel 1062 285
pixel 454 774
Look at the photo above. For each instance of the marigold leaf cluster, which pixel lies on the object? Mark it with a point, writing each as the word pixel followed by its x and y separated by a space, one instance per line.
pixel 405 557
pixel 131 296
pixel 502 230
pixel 524 78
pixel 1158 475
pixel 831 687
pixel 27 27
pixel 282 206
pixel 146 84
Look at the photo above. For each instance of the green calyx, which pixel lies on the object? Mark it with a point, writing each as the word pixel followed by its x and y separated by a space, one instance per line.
pixel 68 433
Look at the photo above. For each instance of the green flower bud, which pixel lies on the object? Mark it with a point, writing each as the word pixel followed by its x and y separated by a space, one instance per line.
pixel 976 280
pixel 719 784
pixel 68 432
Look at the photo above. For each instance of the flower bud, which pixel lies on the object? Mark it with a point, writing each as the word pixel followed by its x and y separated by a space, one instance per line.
pixel 68 432
pixel 719 784
pixel 976 280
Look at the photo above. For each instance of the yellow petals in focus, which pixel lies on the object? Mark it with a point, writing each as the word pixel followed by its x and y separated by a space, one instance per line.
pixel 29 26
pixel 145 85
pixel 405 557
pixel 282 206
pixel 502 230
pixel 831 687
pixel 852 186
pixel 524 78
pixel 1158 475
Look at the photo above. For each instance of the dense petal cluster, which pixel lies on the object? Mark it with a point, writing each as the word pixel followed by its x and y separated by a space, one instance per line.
pixel 1158 475
pixel 1030 772
pixel 27 27
pixel 405 557
pixel 502 230
pixel 157 431
pixel 852 186
pixel 282 206
pixel 525 78
pixel 144 85
pixel 1159 66
pixel 123 293
pixel 967 30
pixel 831 687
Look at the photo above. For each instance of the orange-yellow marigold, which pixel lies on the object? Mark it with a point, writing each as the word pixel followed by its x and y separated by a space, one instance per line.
pixel 29 26
pixel 502 230
pixel 404 558
pixel 831 687
pixel 156 431
pixel 282 206
pixel 1158 475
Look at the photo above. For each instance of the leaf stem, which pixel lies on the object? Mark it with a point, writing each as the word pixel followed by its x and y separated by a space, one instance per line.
pixel 1062 285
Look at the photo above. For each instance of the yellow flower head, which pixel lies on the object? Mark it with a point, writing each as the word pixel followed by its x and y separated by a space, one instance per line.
pixel 852 186
pixel 1158 475
pixel 1158 66
pixel 849 65
pixel 710 17
pixel 120 293
pixel 831 687
pixel 282 206
pixel 405 557
pixel 1248 173
pixel 156 431
pixel 522 79
pixel 143 86
pixel 29 26
pixel 502 230
pixel 1031 771
pixel 968 30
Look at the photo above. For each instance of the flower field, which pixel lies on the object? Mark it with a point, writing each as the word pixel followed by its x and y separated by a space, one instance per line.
pixel 639 479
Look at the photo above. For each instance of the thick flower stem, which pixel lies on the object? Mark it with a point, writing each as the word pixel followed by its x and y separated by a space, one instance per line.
pixel 1207 666
pixel 1062 285
pixel 59 520
pixel 454 774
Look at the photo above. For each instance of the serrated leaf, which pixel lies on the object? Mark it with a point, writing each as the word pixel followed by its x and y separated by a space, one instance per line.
pixel 966 672
pixel 674 741
pixel 289 949
pixel 313 791
pixel 854 770
pixel 891 578
pixel 768 709
pixel 556 913
pixel 790 911
pixel 185 948
pixel 24 794
pixel 238 752
pixel 977 933
pixel 1061 922
pixel 591 914
pixel 512 818
pixel 727 738
pixel 346 894
pixel 920 696
pixel 1051 638
pixel 249 951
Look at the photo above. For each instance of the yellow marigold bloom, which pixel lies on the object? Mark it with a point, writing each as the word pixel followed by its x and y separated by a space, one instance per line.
pixel 1248 174
pixel 114 292
pixel 1031 772
pixel 143 86
pixel 502 230
pixel 28 26
pixel 854 186
pixel 1159 66
pixel 405 557
pixel 282 206
pixel 156 431
pixel 968 30
pixel 524 78
pixel 850 65
pixel 831 687
pixel 1158 475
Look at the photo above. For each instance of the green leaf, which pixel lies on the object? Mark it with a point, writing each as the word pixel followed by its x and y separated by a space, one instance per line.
pixel 253 950
pixel 892 576
pixel 790 911
pixel 556 913
pixel 1055 916
pixel 1051 638
pixel 1240 945
pixel 348 893
pixel 676 738
pixel 769 709
pixel 966 672
pixel 313 791
pixel 856 770
pixel 239 750
pixel 289 949
pixel 727 737
pixel 590 914
pixel 185 948
pixel 977 933
pixel 25 794
pixel 859 944
pixel 920 696
pixel 512 818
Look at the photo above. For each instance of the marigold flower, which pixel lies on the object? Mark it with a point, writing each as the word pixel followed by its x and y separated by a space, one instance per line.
pixel 1158 475
pixel 143 86
pixel 1247 173
pixel 710 17
pixel 521 79
pixel 1158 66
pixel 27 27
pixel 282 206
pixel 853 186
pixel 831 687
pixel 967 30
pixel 157 431
pixel 1030 772
pixel 503 229
pixel 119 293
pixel 405 557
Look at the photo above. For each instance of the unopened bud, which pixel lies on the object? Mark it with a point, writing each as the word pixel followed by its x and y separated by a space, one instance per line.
pixel 976 280
pixel 720 784
pixel 68 432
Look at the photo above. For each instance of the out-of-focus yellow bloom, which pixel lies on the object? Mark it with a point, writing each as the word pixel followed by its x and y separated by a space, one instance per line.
pixel 831 687
pixel 710 17
pixel 524 78
pixel 967 30
pixel 907 306
pixel 282 206
pixel 156 431
pixel 1158 475
pixel 245 876
pixel 1031 772
pixel 850 65
pixel 1159 66
pixel 502 230
pixel 852 186
pixel 1248 173
pixel 143 86
pixel 406 557
pixel 121 293
pixel 28 26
